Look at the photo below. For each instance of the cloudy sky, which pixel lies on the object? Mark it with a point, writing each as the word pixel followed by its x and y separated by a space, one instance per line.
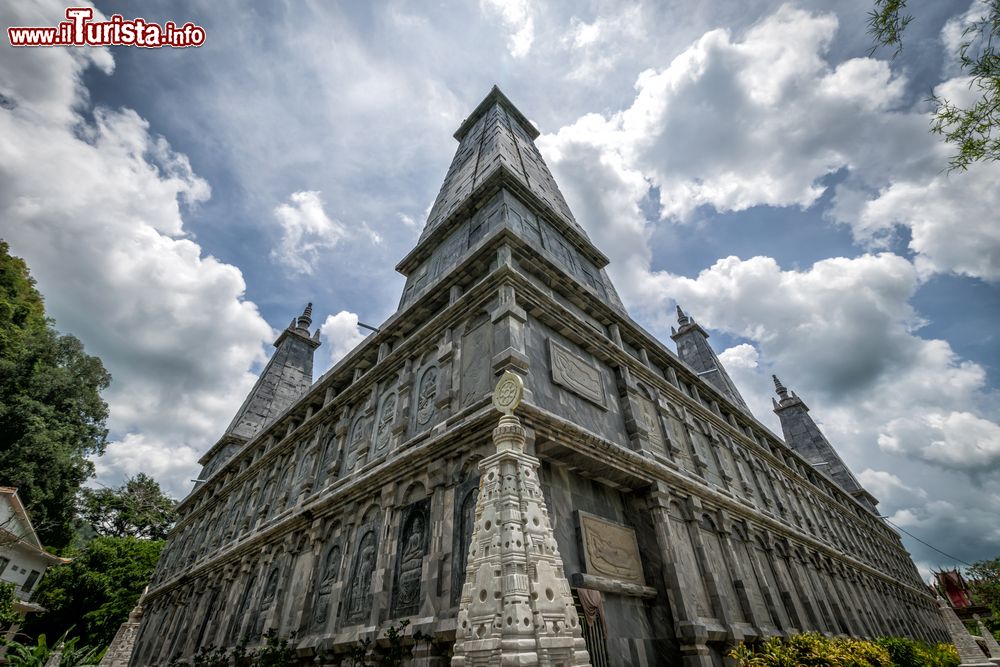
pixel 746 158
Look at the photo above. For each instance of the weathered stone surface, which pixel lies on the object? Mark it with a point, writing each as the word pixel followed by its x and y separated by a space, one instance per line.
pixel 309 525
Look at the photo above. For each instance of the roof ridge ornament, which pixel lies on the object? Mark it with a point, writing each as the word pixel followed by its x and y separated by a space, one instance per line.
pixel 779 388
pixel 305 319
pixel 682 318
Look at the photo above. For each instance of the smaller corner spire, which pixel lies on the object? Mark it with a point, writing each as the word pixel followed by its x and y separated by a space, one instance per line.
pixel 682 318
pixel 779 388
pixel 305 319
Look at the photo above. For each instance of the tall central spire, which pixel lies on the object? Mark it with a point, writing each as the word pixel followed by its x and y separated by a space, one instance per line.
pixel 498 182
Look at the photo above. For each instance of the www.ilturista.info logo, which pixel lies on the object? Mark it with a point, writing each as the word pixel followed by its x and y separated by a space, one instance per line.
pixel 80 30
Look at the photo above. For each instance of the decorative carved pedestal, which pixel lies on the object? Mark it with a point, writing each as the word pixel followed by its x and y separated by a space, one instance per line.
pixel 516 606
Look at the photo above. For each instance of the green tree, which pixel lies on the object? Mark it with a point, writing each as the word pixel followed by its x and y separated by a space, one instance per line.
pixel 984 583
pixel 138 508
pixel 974 130
pixel 52 417
pixel 7 613
pixel 96 591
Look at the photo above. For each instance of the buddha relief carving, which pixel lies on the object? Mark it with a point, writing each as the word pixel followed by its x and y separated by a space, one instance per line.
pixel 360 589
pixel 385 418
pixel 266 603
pixel 358 433
pixel 410 560
pixel 328 577
pixel 426 396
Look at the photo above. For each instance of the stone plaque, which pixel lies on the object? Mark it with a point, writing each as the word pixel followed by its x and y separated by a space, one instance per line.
pixel 576 374
pixel 610 549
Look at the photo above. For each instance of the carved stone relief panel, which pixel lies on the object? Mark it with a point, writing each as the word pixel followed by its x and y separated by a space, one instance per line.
pixel 650 420
pixel 208 614
pixel 576 374
pixel 688 568
pixel 714 556
pixel 282 489
pixel 236 623
pixel 357 608
pixel 266 602
pixel 465 516
pixel 306 464
pixel 475 367
pixel 678 437
pixel 327 575
pixel 412 547
pixel 610 549
pixel 703 449
pixel 781 609
pixel 383 428
pixel 327 455
pixel 356 443
pixel 427 391
pixel 754 585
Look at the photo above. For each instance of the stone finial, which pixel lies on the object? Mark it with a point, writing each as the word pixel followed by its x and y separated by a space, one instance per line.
pixel 682 319
pixel 305 319
pixel 779 388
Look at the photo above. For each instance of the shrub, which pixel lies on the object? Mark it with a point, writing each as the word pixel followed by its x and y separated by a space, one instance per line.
pixel 910 653
pixel 814 650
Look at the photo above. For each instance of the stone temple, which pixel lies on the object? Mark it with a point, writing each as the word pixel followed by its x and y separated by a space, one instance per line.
pixel 672 522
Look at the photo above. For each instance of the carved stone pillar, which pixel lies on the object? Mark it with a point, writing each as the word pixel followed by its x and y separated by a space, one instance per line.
pixel 739 583
pixel 516 605
pixel 508 330
pixel 690 632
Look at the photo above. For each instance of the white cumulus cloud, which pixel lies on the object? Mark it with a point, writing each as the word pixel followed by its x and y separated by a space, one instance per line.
pixel 517 17
pixel 341 333
pixel 306 231
pixel 95 207
pixel 763 117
